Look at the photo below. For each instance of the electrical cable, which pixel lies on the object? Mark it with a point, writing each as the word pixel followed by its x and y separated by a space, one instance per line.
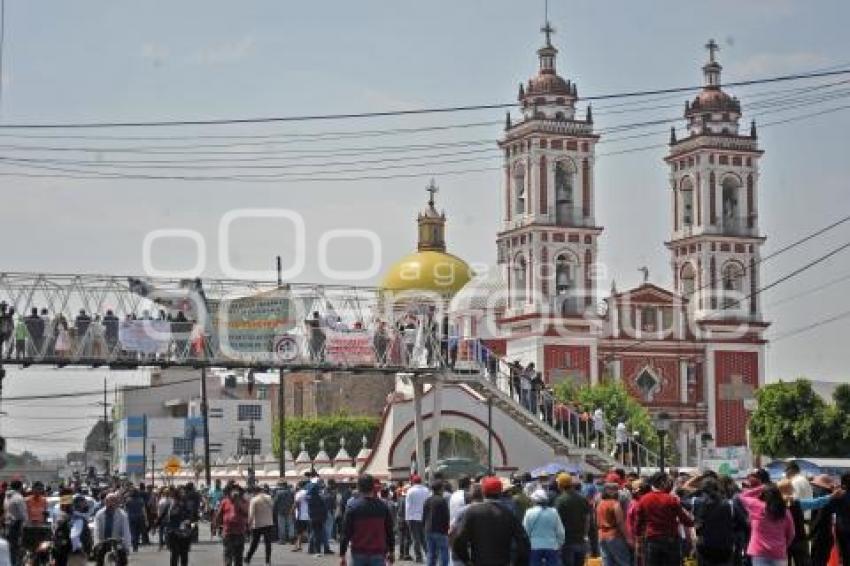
pixel 409 112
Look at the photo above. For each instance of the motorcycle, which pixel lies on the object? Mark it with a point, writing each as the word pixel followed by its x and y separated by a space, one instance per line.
pixel 42 555
pixel 113 553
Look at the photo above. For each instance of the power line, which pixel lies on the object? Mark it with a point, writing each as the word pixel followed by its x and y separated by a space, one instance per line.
pixel 803 329
pixel 312 137
pixel 761 260
pixel 808 292
pixel 321 175
pixel 410 112
pixel 100 391
pixel 301 155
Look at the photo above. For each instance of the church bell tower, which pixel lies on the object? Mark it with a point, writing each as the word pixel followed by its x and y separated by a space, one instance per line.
pixel 715 241
pixel 548 242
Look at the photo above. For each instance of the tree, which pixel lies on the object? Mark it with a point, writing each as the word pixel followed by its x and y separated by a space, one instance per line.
pixel 617 405
pixel 792 420
pixel 330 429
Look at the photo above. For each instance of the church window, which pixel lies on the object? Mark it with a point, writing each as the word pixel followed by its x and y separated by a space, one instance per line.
pixel 688 278
pixel 647 384
pixel 565 283
pixel 730 204
pixel 733 285
pixel 564 180
pixel 666 319
pixel 687 191
pixel 649 319
pixel 519 184
pixel 520 280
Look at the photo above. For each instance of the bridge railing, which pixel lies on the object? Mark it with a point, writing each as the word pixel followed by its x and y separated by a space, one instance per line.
pixel 96 320
pixel 577 426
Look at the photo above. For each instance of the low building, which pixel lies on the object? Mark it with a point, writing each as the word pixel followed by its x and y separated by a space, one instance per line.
pixel 163 420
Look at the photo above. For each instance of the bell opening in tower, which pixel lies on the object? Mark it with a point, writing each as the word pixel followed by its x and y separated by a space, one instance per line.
pixel 564 176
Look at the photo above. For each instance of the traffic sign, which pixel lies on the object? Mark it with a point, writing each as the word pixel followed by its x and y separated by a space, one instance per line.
pixel 172 465
pixel 286 347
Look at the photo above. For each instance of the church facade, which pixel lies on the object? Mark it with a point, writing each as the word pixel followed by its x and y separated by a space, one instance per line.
pixel 695 351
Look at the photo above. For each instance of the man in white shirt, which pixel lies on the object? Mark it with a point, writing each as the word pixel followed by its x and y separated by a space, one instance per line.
pixel 802 487
pixel 621 435
pixel 302 516
pixel 458 499
pixel 599 425
pixel 413 510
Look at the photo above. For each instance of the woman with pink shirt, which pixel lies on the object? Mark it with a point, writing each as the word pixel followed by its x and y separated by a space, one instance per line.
pixel 771 526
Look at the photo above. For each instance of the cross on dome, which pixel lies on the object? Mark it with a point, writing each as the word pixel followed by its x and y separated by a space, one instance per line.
pixel 432 188
pixel 713 48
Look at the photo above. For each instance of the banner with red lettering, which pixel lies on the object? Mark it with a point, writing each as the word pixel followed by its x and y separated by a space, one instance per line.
pixel 349 348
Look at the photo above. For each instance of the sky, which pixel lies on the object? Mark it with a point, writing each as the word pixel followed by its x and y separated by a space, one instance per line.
pixel 94 61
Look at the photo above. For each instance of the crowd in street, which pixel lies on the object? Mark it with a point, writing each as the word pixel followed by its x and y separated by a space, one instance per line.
pixel 619 519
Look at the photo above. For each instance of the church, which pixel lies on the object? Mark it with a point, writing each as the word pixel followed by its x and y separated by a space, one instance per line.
pixel 695 351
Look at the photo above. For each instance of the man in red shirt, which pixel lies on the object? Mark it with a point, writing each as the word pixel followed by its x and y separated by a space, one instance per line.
pixel 659 516
pixel 232 516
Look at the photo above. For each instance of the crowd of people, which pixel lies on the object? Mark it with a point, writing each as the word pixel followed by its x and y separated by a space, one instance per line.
pixel 619 519
pixel 87 524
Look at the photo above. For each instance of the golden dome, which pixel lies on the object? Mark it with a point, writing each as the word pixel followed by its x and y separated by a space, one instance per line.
pixel 431 271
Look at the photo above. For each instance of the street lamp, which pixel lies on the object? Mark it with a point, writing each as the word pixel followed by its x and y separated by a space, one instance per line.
pixel 662 426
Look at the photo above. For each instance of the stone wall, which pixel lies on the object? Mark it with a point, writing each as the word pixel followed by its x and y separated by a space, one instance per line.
pixel 312 394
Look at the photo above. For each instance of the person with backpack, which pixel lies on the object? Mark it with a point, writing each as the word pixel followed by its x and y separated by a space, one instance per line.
pixel 178 529
pixel 545 531
pixel 284 504
pixel 318 515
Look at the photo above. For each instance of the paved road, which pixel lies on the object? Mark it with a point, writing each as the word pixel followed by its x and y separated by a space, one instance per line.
pixel 207 553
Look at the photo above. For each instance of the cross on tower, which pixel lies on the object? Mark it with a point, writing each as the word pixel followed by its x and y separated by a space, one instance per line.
pixel 736 389
pixel 548 30
pixel 432 188
pixel 712 49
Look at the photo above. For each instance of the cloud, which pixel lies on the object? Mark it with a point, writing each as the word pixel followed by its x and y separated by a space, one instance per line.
pixel 767 64
pixel 155 52
pixel 227 52
pixel 386 100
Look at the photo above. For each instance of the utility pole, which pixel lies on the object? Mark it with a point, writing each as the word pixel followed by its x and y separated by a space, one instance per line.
pixel 153 463
pixel 251 471
pixel 279 273
pixel 144 445
pixel 490 435
pixel 206 421
pixel 106 441
pixel 281 425
pixel 281 404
